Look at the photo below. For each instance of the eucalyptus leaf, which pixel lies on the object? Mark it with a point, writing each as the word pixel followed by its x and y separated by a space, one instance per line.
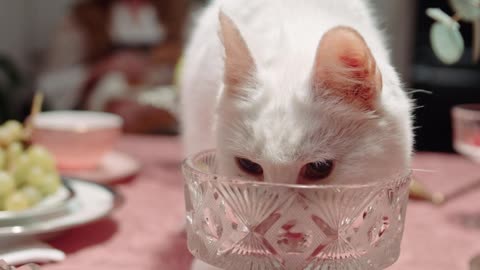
pixel 468 10
pixel 447 42
pixel 440 16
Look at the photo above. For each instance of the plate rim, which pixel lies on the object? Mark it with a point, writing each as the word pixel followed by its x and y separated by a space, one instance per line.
pixel 36 229
pixel 11 216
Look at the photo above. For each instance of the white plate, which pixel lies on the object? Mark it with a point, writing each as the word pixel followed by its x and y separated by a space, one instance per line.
pixel 53 204
pixel 115 166
pixel 92 202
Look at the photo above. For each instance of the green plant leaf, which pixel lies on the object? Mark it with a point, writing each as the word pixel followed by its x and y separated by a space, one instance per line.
pixel 447 42
pixel 468 10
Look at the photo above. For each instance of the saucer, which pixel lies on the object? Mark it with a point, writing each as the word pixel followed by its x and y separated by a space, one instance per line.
pixel 92 202
pixel 114 167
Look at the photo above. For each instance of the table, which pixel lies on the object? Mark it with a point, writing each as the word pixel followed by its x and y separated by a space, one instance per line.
pixel 447 236
pixel 146 233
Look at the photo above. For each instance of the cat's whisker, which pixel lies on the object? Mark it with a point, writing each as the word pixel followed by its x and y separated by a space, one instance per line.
pixel 424 170
pixel 415 91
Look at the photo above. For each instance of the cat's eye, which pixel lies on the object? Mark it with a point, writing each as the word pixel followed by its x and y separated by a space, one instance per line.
pixel 317 170
pixel 249 166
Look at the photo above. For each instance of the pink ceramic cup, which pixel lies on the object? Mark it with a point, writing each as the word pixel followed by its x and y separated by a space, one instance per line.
pixel 77 139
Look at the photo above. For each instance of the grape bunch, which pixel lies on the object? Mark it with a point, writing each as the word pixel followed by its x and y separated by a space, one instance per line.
pixel 27 172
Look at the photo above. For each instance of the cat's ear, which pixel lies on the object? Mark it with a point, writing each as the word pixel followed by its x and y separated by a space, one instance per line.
pixel 344 67
pixel 239 63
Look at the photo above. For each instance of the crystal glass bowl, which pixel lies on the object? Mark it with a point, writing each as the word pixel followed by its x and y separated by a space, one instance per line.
pixel 238 225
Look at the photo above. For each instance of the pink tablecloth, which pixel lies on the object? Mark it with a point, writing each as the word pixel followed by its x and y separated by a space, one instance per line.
pixel 146 233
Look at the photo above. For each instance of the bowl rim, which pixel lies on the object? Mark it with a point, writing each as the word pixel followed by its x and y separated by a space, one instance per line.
pixel 43 121
pixel 189 168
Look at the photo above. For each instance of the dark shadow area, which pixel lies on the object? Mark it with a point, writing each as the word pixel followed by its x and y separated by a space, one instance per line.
pixel 86 236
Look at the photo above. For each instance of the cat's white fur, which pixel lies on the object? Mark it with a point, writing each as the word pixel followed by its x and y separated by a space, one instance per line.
pixel 277 122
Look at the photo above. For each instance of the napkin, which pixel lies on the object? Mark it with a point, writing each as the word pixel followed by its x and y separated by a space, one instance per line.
pixel 28 250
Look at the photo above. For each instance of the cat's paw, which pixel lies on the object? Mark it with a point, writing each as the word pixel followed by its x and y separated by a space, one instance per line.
pixel 199 265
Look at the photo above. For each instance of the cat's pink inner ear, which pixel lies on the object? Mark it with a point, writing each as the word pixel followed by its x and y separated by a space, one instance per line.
pixel 239 63
pixel 345 67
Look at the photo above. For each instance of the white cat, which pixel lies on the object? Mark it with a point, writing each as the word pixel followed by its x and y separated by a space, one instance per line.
pixel 296 92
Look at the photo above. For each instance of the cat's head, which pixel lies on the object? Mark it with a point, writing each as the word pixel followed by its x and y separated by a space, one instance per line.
pixel 329 124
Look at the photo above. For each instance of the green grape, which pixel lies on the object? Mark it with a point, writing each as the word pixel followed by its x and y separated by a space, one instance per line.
pixel 6 137
pixel 46 182
pixel 14 151
pixel 3 159
pixel 2 204
pixel 7 184
pixel 17 201
pixel 50 184
pixel 15 129
pixel 33 195
pixel 35 177
pixel 21 169
pixel 41 157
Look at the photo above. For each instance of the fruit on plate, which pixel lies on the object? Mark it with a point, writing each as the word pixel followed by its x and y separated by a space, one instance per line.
pixel 27 172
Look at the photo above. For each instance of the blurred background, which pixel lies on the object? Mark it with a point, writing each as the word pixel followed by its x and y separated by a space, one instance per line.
pixel 121 56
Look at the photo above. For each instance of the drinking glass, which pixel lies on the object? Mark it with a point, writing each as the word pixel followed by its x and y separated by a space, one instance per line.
pixel 466 141
pixel 466 130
